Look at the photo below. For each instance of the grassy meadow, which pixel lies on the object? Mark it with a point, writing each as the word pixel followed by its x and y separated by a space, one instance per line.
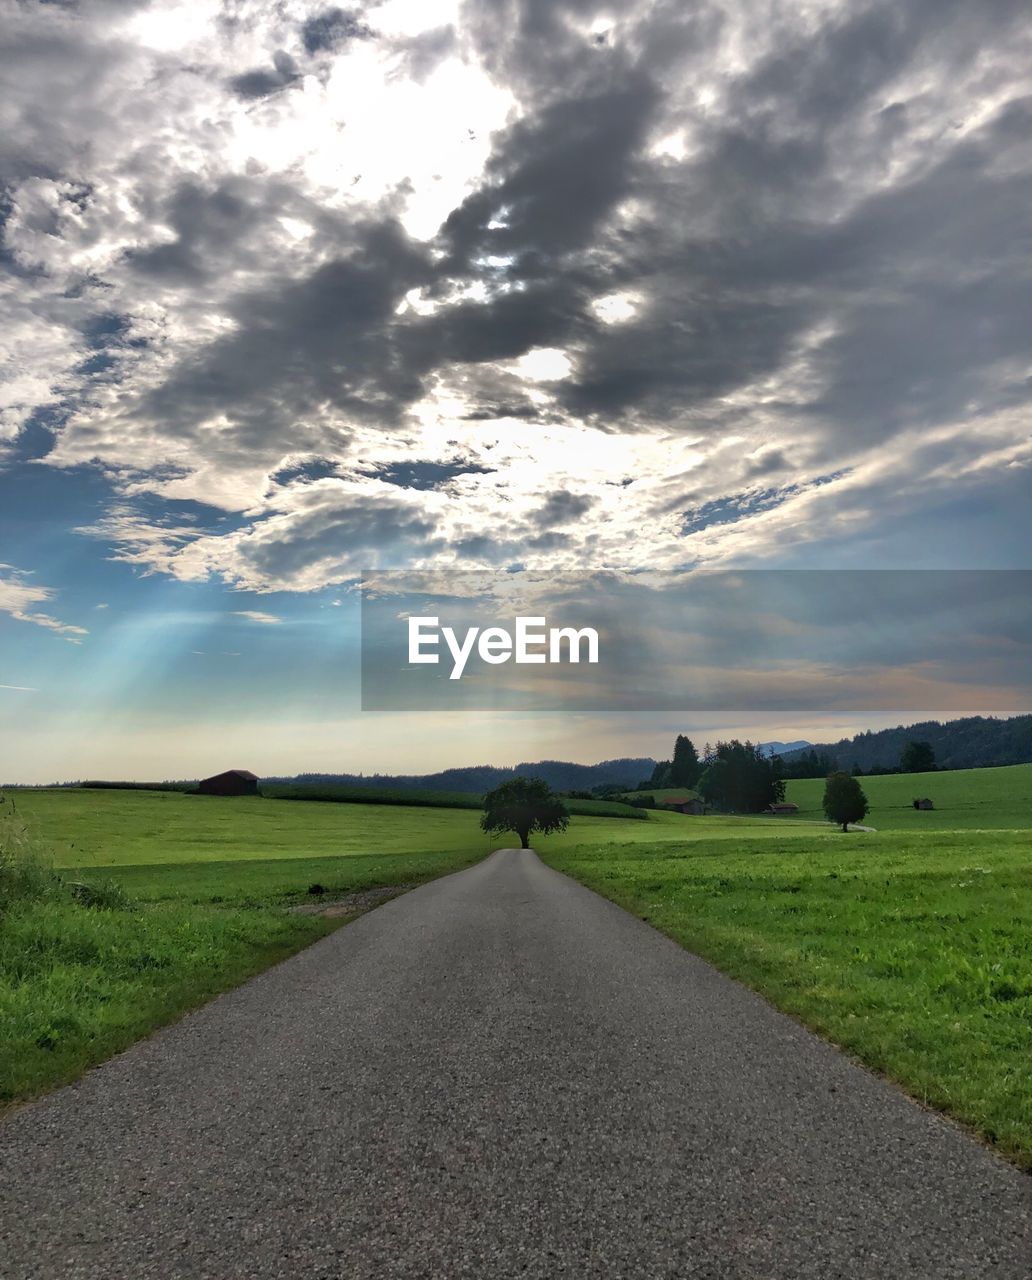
pixel 910 946
pixel 352 793
pixel 662 794
pixel 992 799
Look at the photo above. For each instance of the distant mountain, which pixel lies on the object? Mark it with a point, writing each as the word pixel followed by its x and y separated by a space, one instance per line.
pixel 783 748
pixel 561 775
pixel 971 743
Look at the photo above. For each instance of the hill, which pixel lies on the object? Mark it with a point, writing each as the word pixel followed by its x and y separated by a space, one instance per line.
pixel 784 748
pixel 346 793
pixel 971 743
pixel 964 799
pixel 561 775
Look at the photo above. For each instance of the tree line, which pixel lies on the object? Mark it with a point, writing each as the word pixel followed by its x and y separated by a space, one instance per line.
pixel 737 776
pixel 973 742
pixel 915 757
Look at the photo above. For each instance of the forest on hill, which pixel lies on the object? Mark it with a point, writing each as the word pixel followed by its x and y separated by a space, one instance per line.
pixel 561 775
pixel 971 743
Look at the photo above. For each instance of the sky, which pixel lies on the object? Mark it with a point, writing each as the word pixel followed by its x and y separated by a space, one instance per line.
pixel 294 293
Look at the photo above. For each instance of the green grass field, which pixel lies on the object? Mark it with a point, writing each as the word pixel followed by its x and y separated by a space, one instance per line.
pixel 351 793
pixel 660 794
pixel 988 799
pixel 910 946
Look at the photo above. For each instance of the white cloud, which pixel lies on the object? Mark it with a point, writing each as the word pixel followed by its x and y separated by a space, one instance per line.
pixel 18 598
pixel 256 615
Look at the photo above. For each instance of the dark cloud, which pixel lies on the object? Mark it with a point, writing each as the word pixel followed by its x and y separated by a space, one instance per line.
pixel 484 547
pixel 762 464
pixel 327 31
pixel 421 473
pixel 535 46
pixel 264 81
pixel 324 340
pixel 503 328
pixel 731 250
pixel 562 508
pixel 208 223
pixel 339 532
pixel 554 177
pixel 505 409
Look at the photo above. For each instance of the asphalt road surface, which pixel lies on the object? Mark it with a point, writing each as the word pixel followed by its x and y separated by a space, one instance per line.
pixel 499 1074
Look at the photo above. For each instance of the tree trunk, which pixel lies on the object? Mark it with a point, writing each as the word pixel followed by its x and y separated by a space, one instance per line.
pixel 845 827
pixel 524 839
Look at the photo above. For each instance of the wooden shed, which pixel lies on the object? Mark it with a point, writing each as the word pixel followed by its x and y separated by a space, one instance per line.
pixel 684 804
pixel 783 806
pixel 924 803
pixel 234 782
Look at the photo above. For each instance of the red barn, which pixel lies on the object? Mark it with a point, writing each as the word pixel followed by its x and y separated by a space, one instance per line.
pixel 234 782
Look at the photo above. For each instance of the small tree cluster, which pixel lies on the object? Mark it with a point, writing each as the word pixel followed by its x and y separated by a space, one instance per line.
pixel 739 777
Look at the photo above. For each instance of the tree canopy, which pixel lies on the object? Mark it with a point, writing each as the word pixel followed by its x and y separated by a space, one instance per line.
pixel 844 799
pixel 684 767
pixel 917 757
pixel 737 776
pixel 524 805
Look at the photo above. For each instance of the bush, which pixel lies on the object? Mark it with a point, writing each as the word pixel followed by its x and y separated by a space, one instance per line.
pixel 103 895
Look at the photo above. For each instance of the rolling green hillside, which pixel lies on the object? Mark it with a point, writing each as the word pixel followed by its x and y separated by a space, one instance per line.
pixel 347 793
pixel 105 829
pixel 662 794
pixel 986 799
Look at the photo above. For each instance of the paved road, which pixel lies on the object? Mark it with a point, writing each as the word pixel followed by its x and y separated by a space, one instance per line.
pixel 497 1075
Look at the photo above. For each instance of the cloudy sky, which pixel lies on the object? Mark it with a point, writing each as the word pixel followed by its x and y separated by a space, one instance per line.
pixel 293 292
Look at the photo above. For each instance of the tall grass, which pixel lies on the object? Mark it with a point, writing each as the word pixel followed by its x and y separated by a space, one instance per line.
pixel 26 872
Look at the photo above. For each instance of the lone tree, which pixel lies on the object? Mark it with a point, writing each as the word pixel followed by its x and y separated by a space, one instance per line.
pixel 917 757
pixel 844 799
pixel 524 805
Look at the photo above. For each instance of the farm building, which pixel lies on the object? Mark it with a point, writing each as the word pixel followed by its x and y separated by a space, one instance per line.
pixel 684 804
pixel 923 804
pixel 783 806
pixel 234 782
